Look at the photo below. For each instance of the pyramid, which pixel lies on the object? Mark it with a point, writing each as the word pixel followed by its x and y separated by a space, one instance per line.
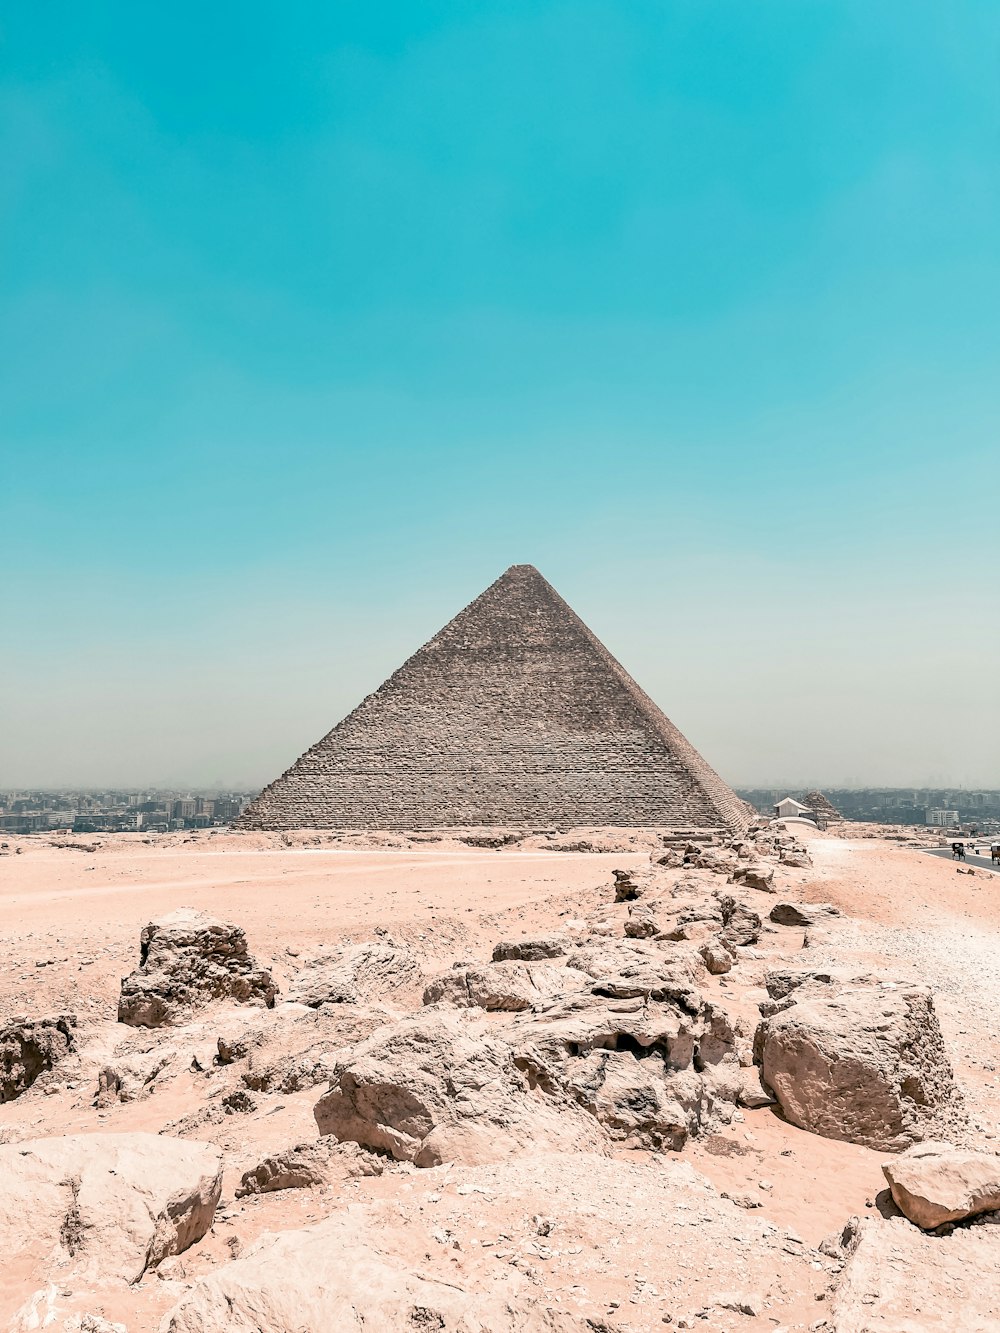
pixel 514 715
pixel 821 805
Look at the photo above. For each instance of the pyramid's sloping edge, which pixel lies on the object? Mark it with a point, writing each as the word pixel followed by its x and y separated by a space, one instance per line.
pixel 732 810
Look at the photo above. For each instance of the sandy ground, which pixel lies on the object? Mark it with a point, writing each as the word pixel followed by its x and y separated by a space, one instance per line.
pixel 70 918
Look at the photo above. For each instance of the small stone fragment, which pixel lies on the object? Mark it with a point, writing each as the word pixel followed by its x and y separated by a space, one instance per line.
pixel 626 888
pixel 641 923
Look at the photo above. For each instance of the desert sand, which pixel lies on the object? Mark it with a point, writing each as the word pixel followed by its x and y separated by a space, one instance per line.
pixel 723 1232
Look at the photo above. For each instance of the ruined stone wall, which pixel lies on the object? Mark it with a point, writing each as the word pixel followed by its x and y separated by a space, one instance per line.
pixel 515 715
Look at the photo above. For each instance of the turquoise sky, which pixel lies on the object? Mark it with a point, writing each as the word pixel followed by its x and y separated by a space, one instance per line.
pixel 315 317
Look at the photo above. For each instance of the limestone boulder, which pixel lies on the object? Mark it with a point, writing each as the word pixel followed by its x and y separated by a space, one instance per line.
pixel 867 1065
pixel 293 1047
pixel 841 1244
pixel 43 1308
pixel 628 886
pixel 801 914
pixel 703 911
pixel 333 1276
pixel 101 1205
pixel 438 1087
pixel 505 986
pixel 781 981
pixel 354 973
pixel 797 858
pixel 321 1162
pixel 754 875
pixel 668 857
pixel 752 1092
pixel 720 861
pixel 141 1062
pixel 187 959
pixel 897 1279
pixel 717 958
pixel 933 1183
pixel 691 932
pixel 741 925
pixel 800 982
pixel 530 951
pixel 29 1047
pixel 651 1072
pixel 641 923
pixel 625 969
pixel 131 1078
pixel 788 985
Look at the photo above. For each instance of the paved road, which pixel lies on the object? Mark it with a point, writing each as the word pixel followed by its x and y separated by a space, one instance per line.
pixel 970 860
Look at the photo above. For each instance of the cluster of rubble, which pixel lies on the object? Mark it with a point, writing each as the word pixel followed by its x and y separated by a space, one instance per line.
pixel 605 1034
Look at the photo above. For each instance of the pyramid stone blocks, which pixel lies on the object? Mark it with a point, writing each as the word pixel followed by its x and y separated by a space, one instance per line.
pixel 821 805
pixel 513 715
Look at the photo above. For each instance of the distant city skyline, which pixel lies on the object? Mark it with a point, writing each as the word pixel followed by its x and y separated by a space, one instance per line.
pixel 152 812
pixel 317 318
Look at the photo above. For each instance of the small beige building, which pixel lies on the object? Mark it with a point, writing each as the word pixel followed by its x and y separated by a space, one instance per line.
pixel 789 808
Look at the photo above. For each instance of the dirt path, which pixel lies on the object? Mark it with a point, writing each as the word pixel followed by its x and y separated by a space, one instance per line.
pixel 70 919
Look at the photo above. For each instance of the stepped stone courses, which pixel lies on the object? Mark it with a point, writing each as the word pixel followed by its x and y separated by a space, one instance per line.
pixel 514 715
pixel 821 805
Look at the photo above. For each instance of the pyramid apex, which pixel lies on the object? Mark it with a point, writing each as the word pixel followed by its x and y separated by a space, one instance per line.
pixel 522 576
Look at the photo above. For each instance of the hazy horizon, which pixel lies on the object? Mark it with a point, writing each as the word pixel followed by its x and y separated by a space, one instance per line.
pixel 298 678
pixel 319 319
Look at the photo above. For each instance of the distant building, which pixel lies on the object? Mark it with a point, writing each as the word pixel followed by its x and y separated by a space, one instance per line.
pixel 24 823
pixel 227 808
pixel 789 808
pixel 942 818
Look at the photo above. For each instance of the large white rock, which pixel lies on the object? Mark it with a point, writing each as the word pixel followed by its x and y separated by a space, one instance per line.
pixel 934 1183
pixel 506 986
pixel 328 1277
pixel 102 1205
pixel 900 1280
pixel 866 1064
pixel 438 1087
pixel 350 973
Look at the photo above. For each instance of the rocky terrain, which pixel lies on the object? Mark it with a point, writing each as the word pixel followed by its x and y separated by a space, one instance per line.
pixel 611 1080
